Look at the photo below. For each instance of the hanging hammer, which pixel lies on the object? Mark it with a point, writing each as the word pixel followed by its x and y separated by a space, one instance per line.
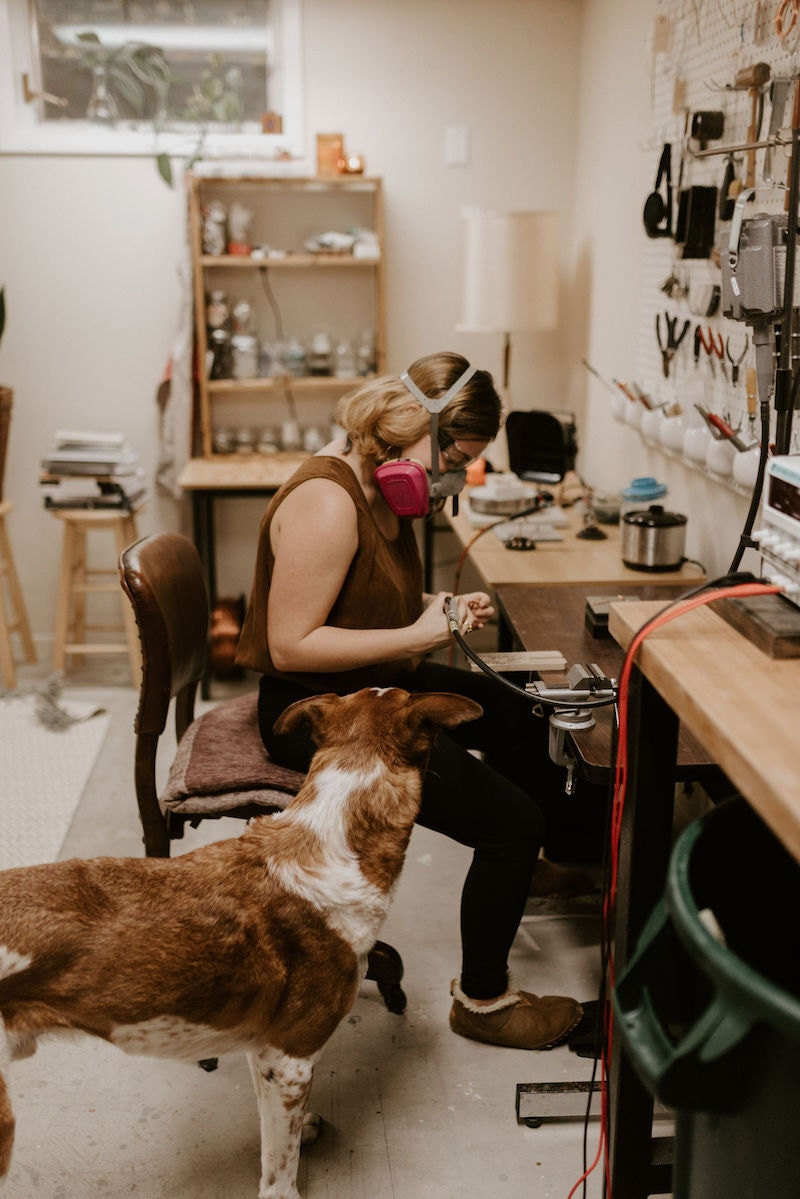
pixel 754 79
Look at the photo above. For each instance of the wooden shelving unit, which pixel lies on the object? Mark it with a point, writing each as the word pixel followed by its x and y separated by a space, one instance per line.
pixel 340 293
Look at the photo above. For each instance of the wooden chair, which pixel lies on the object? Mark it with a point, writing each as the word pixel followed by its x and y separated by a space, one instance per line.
pixel 221 767
pixel 13 616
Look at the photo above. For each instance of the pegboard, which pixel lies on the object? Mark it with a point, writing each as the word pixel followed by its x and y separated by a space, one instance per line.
pixel 697 48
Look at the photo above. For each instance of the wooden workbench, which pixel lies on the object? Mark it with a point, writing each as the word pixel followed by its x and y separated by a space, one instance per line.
pixel 572 560
pixel 742 706
pixel 536 618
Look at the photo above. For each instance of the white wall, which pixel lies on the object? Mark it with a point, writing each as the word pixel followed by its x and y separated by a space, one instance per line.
pixel 555 94
pixel 615 170
pixel 89 248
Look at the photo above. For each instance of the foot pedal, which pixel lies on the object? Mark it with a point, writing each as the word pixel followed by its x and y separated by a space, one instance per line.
pixel 540 1101
pixel 587 1037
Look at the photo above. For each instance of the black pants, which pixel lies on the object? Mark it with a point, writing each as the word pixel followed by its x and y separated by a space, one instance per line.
pixel 494 805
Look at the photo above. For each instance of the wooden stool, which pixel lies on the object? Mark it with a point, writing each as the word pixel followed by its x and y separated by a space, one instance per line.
pixel 77 582
pixel 13 617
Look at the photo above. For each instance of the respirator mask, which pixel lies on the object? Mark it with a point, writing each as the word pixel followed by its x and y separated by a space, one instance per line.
pixel 404 483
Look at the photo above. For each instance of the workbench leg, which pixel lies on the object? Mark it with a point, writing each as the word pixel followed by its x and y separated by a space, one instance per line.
pixel 645 845
pixel 203 534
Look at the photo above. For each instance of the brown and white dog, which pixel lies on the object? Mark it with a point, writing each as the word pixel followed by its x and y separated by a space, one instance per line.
pixel 256 944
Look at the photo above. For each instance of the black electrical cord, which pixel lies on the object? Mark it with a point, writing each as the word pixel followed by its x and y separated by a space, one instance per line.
pixel 746 538
pixel 569 706
pixel 727 580
pixel 276 312
pixel 603 998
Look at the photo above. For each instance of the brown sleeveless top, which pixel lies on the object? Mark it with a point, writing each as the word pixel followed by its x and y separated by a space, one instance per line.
pixel 382 588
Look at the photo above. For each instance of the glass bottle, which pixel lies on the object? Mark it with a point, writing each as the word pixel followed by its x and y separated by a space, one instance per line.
pixel 217 312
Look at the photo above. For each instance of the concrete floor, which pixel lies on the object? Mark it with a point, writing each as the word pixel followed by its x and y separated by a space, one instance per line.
pixel 411 1111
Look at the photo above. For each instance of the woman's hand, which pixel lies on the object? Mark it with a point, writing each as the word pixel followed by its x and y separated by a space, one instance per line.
pixel 479 608
pixel 432 627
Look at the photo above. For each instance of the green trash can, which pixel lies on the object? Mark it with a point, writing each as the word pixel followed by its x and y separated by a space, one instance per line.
pixel 708 1009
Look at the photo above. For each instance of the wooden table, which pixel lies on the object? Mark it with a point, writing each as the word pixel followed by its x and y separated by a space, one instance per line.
pixel 742 706
pixel 572 560
pixel 537 618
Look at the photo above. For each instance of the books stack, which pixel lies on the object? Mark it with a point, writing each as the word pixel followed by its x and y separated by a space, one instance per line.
pixel 88 469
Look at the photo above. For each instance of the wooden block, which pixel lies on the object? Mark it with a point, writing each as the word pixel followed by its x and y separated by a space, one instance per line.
pixel 543 660
pixel 770 622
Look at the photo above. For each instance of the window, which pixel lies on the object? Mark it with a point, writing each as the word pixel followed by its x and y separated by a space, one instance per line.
pixel 131 76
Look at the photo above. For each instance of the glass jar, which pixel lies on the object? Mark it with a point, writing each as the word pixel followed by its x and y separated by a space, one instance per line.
pixel 217 311
pixel 365 353
pixel 313 439
pixel 295 358
pixel 245 441
pixel 320 355
pixel 291 438
pixel 245 356
pixel 224 441
pixel 242 317
pixel 215 228
pixel 222 360
pixel 268 441
pixel 345 361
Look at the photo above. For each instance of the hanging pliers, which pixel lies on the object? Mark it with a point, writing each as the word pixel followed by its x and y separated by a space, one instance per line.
pixel 736 362
pixel 670 347
pixel 714 346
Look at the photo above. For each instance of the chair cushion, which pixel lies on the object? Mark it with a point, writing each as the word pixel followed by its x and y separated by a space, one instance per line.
pixel 221 764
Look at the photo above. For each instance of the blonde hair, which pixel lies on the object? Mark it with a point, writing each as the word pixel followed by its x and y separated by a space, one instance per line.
pixel 382 416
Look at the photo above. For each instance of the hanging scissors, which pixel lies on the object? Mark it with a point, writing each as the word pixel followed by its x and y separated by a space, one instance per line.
pixel 736 362
pixel 669 350
pixel 714 346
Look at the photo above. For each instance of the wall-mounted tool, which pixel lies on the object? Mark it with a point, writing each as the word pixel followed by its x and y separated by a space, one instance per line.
pixel 779 94
pixel 754 80
pixel 751 391
pixel 707 127
pixel 669 346
pixel 712 343
pixel 721 431
pixel 736 360
pixel 657 214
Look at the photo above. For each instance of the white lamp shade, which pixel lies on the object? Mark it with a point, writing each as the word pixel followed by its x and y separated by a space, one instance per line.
pixel 511 264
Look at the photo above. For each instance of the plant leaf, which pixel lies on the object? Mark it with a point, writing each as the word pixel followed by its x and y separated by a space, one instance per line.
pixel 164 168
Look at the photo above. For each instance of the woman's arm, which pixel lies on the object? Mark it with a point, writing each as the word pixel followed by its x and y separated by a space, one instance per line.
pixel 314 540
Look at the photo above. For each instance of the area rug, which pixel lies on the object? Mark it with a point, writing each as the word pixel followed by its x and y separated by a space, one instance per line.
pixel 47 751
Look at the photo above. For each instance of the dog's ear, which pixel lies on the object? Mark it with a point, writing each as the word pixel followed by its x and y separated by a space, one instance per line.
pixel 444 708
pixel 316 710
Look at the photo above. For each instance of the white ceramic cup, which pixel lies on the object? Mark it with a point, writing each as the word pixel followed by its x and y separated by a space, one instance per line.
pixel 652 420
pixel 633 414
pixel 672 433
pixel 720 456
pixel 745 467
pixel 696 441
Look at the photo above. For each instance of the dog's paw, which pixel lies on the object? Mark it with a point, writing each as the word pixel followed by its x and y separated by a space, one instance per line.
pixel 312 1127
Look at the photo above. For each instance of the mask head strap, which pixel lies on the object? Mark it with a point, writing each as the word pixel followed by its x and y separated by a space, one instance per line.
pixel 434 407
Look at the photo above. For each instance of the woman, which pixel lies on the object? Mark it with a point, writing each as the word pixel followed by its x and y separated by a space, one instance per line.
pixel 337 604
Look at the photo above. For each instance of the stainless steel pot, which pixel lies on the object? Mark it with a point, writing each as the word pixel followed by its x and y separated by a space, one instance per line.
pixel 653 539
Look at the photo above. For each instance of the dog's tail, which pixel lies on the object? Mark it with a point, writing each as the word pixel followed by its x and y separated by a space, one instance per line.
pixel 6 1112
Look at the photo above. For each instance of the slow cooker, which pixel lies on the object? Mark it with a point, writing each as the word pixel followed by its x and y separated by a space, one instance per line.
pixel 653 539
